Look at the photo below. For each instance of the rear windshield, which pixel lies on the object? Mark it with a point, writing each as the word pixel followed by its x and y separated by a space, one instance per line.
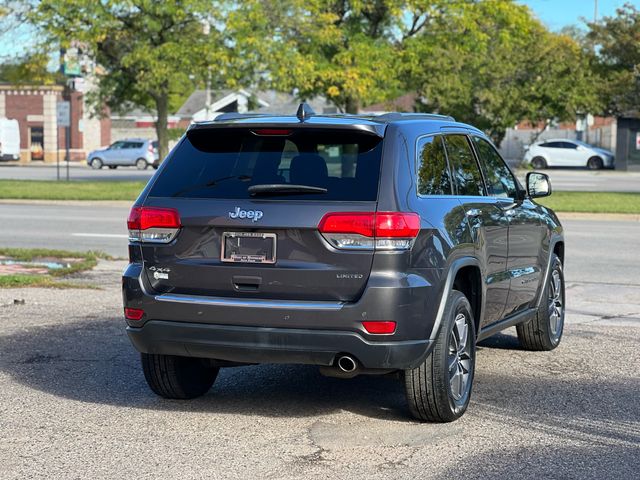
pixel 224 163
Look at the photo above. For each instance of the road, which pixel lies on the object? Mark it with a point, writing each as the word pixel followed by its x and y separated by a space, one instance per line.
pixel 77 172
pixel 74 404
pixel 90 226
pixel 561 179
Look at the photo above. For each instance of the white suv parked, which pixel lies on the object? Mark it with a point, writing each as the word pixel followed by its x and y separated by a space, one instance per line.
pixel 568 153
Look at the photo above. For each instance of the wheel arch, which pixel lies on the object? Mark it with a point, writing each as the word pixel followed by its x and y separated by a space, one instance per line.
pixel 464 274
pixel 556 247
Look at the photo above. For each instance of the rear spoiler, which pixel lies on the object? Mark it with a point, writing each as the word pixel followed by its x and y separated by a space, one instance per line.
pixel 238 120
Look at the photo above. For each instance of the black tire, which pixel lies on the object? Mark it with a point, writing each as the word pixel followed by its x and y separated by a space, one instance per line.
pixel 595 163
pixel 430 389
pixel 539 163
pixel 96 164
pixel 141 164
pixel 544 332
pixel 178 377
pixel 112 167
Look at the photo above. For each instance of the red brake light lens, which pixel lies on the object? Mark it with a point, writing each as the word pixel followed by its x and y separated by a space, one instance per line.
pixel 348 222
pixel 142 218
pixel 272 131
pixel 397 225
pixel 133 313
pixel 379 328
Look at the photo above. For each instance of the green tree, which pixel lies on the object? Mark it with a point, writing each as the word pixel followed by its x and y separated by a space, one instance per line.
pixel 492 64
pixel 147 52
pixel 345 50
pixel 30 69
pixel 617 42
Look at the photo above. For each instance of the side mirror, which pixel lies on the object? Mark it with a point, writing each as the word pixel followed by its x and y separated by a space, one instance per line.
pixel 538 185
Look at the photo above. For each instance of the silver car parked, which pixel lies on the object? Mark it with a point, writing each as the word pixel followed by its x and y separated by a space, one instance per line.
pixel 138 152
pixel 568 153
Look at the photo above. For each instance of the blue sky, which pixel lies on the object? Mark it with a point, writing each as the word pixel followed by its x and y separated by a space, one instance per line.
pixel 559 13
pixel 554 13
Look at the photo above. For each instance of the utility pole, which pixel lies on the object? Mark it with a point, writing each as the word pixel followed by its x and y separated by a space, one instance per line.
pixel 206 29
pixel 207 101
pixel 595 11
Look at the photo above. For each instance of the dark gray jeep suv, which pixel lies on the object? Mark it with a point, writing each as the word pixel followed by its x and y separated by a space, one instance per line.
pixel 361 244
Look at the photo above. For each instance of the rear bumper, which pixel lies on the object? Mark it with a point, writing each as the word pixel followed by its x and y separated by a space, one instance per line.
pixel 247 330
pixel 272 345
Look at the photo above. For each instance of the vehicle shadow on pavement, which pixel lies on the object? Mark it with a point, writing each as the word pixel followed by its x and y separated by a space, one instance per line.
pixel 501 341
pixel 93 361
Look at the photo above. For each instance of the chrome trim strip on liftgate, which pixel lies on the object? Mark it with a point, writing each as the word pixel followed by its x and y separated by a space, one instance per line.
pixel 250 303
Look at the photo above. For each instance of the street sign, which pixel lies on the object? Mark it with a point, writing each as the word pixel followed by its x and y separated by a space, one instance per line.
pixel 63 114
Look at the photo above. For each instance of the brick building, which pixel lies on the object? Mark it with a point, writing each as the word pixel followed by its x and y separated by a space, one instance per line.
pixel 41 139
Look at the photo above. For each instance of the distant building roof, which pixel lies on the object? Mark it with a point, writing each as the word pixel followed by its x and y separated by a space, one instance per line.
pixel 404 103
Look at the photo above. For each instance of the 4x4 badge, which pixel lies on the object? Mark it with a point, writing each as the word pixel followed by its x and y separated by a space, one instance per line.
pixel 254 215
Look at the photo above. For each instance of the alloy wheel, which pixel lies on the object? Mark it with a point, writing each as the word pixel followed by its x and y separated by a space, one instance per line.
pixel 556 305
pixel 460 357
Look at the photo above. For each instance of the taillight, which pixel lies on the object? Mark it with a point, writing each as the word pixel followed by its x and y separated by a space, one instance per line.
pixel 370 230
pixel 150 148
pixel 153 225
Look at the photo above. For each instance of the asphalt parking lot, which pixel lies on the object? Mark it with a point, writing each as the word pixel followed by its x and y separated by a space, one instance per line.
pixel 74 404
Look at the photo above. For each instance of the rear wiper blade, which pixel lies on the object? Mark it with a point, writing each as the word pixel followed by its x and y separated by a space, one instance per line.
pixel 211 183
pixel 283 188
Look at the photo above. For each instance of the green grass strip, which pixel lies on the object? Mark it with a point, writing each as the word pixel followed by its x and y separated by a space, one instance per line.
pixel 593 202
pixel 76 190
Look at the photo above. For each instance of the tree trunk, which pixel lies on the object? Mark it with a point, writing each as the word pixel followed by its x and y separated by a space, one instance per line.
pixel 350 151
pixel 351 105
pixel 162 108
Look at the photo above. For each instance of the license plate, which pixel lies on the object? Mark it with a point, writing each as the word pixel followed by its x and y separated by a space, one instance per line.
pixel 248 247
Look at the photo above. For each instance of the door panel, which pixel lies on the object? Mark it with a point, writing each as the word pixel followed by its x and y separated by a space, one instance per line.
pixel 525 269
pixel 487 222
pixel 489 230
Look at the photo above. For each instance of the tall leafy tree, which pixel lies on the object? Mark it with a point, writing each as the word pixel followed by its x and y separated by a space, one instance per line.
pixel 147 52
pixel 492 64
pixel 617 43
pixel 345 50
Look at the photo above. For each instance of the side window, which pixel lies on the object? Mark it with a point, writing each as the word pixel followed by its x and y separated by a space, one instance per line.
pixel 116 145
pixel 569 145
pixel 500 181
pixel 464 167
pixel 434 177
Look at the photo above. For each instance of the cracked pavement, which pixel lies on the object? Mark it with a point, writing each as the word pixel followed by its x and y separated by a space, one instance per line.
pixel 74 403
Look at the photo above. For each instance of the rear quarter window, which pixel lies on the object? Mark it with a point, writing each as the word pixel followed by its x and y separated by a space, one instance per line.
pixel 225 162
pixel 434 176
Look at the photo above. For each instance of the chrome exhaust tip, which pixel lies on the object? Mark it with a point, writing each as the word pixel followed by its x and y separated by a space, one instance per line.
pixel 347 364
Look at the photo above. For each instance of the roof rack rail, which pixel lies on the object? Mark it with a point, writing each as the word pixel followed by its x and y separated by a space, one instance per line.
pixel 392 116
